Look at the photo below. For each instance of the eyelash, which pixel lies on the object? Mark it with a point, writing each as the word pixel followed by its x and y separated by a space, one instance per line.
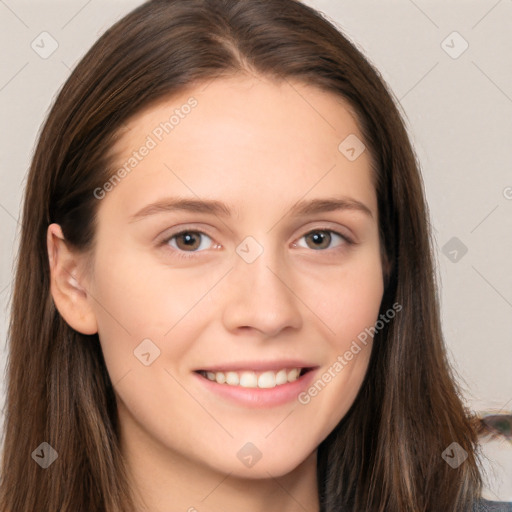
pixel 187 255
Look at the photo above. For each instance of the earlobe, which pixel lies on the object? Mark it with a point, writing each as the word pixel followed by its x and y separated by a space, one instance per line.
pixel 68 291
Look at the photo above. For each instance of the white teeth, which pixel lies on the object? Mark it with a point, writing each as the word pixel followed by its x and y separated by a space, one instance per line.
pixel 281 377
pixel 267 380
pixel 232 378
pixel 248 379
pixel 293 374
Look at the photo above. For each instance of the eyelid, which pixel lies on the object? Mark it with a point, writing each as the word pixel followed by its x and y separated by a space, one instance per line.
pixel 346 239
pixel 165 237
pixel 164 241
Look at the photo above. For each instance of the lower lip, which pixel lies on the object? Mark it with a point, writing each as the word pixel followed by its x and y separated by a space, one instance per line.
pixel 259 397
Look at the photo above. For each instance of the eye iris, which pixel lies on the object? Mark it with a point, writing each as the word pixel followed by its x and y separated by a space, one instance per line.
pixel 189 240
pixel 319 236
pixel 321 239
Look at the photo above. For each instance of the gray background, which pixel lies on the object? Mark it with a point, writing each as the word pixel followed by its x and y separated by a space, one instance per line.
pixel 458 109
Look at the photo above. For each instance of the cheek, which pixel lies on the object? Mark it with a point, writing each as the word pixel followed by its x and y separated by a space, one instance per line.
pixel 137 299
pixel 349 299
pixel 348 304
pixel 335 387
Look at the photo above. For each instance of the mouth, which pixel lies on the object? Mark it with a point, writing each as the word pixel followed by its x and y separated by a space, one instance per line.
pixel 265 379
pixel 257 384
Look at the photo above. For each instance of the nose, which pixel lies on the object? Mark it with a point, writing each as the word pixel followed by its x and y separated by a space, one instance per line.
pixel 261 297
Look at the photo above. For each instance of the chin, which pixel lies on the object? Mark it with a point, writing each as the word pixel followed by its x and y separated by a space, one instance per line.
pixel 267 463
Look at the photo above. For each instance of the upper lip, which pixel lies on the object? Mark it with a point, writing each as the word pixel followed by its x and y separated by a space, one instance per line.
pixel 259 366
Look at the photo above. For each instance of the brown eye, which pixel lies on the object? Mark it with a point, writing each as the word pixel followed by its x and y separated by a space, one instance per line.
pixel 318 239
pixel 322 238
pixel 188 241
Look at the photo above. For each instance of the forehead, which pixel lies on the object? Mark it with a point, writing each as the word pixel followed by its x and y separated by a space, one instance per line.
pixel 244 134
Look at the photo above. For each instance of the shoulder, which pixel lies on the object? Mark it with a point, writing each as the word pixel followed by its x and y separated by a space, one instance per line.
pixel 492 506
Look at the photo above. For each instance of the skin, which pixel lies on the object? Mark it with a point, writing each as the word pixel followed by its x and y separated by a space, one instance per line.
pixel 259 147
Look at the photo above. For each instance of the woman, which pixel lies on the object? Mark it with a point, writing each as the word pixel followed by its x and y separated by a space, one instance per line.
pixel 293 358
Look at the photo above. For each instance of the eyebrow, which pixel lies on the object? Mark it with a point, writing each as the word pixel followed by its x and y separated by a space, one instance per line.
pixel 213 207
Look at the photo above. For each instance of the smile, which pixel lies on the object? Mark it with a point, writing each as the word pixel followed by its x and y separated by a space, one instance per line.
pixel 254 379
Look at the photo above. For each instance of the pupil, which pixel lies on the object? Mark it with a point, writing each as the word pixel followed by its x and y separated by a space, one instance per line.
pixel 189 239
pixel 319 237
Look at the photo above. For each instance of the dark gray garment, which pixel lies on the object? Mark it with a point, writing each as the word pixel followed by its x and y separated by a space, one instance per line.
pixel 492 506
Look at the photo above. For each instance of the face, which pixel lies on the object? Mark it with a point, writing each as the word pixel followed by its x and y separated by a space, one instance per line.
pixel 257 278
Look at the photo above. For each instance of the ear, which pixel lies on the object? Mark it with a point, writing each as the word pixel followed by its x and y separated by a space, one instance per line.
pixel 69 294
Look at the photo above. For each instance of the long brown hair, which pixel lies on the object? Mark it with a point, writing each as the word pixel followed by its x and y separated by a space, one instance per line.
pixel 386 453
